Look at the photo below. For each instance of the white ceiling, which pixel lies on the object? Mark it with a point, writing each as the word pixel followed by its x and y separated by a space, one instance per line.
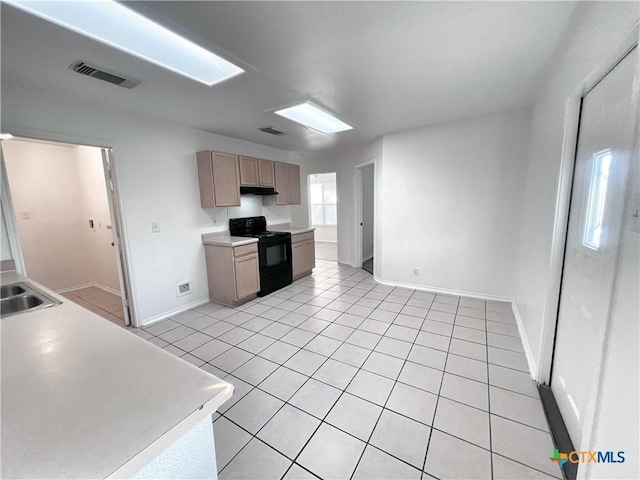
pixel 381 66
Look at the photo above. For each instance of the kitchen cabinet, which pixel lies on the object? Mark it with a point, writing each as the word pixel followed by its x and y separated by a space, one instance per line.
pixel 282 183
pixel 233 273
pixel 248 171
pixel 294 184
pixel 303 254
pixel 287 183
pixel 219 179
pixel 266 173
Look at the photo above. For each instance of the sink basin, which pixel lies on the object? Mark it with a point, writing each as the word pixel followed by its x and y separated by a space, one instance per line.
pixel 19 304
pixel 23 297
pixel 7 291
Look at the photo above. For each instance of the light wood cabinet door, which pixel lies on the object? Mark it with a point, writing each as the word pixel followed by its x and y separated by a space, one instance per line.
pixel 247 271
pixel 297 259
pixel 293 174
pixel 266 174
pixel 282 183
pixel 309 255
pixel 248 171
pixel 226 180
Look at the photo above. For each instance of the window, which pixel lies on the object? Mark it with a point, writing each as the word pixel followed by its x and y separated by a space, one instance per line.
pixel 323 199
pixel 597 196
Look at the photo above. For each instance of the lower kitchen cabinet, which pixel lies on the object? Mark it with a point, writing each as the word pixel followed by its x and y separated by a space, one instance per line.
pixel 233 273
pixel 303 254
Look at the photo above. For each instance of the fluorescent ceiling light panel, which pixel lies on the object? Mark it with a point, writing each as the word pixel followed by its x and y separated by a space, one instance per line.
pixel 113 24
pixel 313 117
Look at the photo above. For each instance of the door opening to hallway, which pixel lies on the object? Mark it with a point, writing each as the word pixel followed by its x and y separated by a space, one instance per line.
pixel 66 222
pixel 323 214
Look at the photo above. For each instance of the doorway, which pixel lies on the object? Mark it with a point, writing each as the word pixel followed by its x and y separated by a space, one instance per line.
pixel 367 174
pixel 598 294
pixel 323 214
pixel 66 222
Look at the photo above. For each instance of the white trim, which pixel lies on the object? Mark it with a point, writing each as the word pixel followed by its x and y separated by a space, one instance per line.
pixel 175 311
pixel 556 260
pixel 89 285
pixel 357 259
pixel 448 291
pixel 10 218
pixel 531 361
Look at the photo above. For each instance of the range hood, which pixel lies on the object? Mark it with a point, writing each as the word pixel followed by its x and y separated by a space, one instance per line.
pixel 258 191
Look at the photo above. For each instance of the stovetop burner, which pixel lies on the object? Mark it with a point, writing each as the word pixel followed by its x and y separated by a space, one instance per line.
pixel 255 227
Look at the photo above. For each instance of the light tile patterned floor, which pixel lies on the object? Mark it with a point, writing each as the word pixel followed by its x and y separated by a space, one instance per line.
pixel 326 251
pixel 337 376
pixel 105 304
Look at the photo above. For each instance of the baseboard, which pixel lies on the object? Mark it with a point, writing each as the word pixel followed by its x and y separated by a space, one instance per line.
pixel 448 291
pixel 533 367
pixel 176 311
pixel 88 285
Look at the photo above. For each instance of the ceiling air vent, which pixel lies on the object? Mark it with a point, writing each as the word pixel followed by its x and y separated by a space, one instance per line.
pixel 272 131
pixel 100 74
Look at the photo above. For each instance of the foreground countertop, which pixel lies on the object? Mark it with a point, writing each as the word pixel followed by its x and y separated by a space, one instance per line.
pixel 84 398
pixel 226 240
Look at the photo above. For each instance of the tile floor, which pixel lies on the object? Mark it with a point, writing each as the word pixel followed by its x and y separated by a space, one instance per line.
pixel 326 251
pixel 339 377
pixel 105 304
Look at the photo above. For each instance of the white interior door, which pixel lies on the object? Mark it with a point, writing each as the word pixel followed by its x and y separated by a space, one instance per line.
pixel 601 178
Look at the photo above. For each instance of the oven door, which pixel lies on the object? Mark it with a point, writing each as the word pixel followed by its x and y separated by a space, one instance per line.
pixel 275 264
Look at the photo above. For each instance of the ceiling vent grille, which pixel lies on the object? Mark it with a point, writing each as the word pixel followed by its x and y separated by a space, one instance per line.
pixel 101 74
pixel 271 131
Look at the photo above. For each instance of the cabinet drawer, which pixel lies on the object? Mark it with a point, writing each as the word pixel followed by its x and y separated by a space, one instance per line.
pixel 245 249
pixel 302 237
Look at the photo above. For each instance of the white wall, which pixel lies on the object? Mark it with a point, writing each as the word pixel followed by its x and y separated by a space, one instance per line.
pixel 157 180
pixel 596 32
pixel 449 203
pixel 368 195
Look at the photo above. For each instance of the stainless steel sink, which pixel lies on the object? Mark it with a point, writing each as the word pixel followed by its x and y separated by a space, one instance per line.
pixel 12 290
pixel 23 297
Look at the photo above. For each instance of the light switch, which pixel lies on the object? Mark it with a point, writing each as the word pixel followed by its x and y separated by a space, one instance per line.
pixel 155 227
pixel 25 214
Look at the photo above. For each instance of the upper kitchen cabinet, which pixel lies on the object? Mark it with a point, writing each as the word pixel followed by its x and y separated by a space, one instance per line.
pixel 287 184
pixel 294 184
pixel 282 183
pixel 248 171
pixel 266 173
pixel 219 177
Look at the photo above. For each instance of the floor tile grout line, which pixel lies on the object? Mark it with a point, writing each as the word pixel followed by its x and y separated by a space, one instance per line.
pixel 489 400
pixel 435 409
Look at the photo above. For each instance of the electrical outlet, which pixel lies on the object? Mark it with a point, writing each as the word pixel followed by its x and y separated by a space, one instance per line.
pixel 416 272
pixel 184 288
pixel 155 227
pixel 25 215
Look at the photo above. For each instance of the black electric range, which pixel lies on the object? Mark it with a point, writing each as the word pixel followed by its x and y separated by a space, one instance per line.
pixel 274 252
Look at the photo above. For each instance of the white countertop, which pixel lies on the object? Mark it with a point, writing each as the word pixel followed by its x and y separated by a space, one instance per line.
pixel 226 240
pixel 84 398
pixel 286 227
